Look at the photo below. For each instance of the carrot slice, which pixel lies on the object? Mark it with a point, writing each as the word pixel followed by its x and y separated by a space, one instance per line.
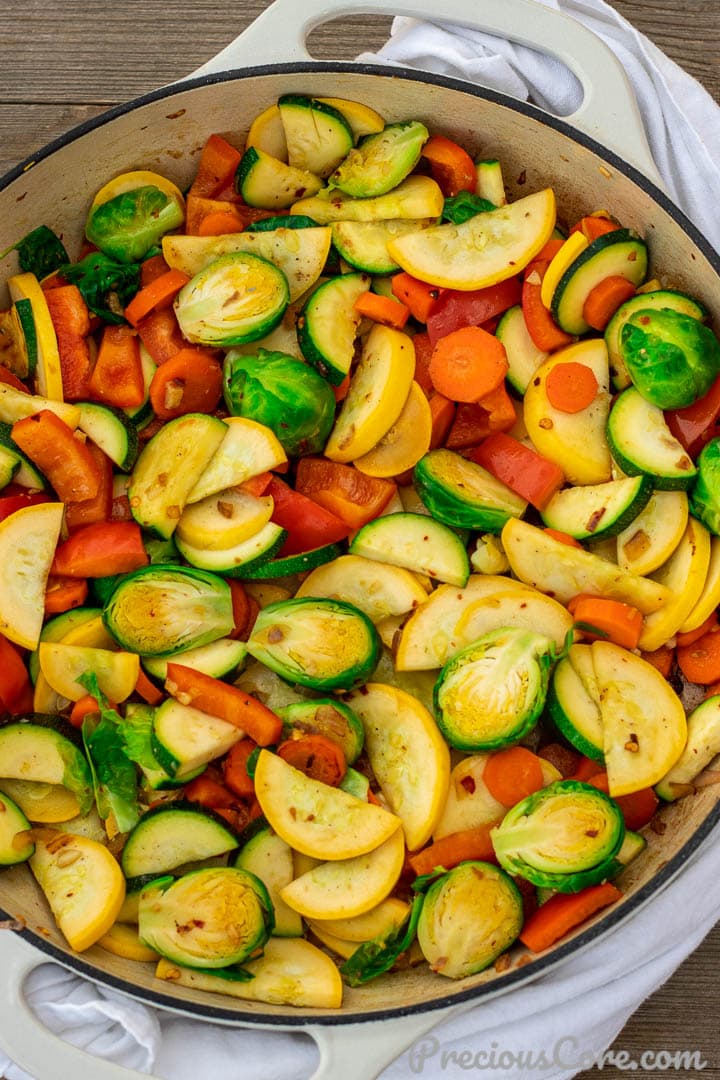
pixel 147 690
pixel 189 382
pixel 468 844
pixel 208 791
pixel 221 222
pixel 694 635
pixel 661 658
pixel 442 412
pixel 571 387
pixel 317 756
pixel 224 701
pixel 216 168
pixel 64 593
pixel 83 707
pixel 468 364
pixel 563 912
pixel 605 298
pixel 616 621
pixel 700 662
pixel 417 295
pixel 594 225
pixel 382 309
pixel 158 294
pixel 513 774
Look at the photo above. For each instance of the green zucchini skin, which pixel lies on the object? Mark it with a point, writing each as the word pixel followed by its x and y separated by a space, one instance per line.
pixel 269 568
pixel 242 560
pixel 619 253
pixel 573 712
pixel 523 841
pixel 318 136
pixel 112 430
pixel 12 822
pixel 172 834
pixel 642 443
pixel 460 493
pixel 269 184
pixel 327 325
pixel 417 542
pixel 598 511
pixel 291 638
pixel 24 473
pixel 454 937
pixel 47 749
pixel 381 160
pixel 269 858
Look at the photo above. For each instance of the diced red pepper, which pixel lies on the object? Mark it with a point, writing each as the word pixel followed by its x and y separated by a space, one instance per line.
pixel 63 459
pixel 455 309
pixel 347 493
pixel 71 320
pixel 117 377
pixel 529 474
pixel 14 678
pixel 161 335
pixel 308 524
pixel 694 425
pixel 112 547
pixel 19 499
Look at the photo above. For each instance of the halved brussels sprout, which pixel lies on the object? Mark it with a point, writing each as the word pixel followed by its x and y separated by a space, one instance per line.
pixel 323 644
pixel 564 837
pixel 237 298
pixel 470 916
pixel 492 693
pixel 127 226
pixel 160 610
pixel 325 716
pixel 283 393
pixel 206 919
pixel 672 358
pixel 705 495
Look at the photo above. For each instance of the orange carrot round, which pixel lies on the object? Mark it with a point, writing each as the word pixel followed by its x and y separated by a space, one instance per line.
pixel 571 387
pixel 615 621
pixel 317 756
pixel 700 662
pixel 513 774
pixel 190 382
pixel 605 298
pixel 694 635
pixel 468 364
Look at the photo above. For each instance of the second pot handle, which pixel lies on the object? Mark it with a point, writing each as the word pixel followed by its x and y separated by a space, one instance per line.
pixel 608 113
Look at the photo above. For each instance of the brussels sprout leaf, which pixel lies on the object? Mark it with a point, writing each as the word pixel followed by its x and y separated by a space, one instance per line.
pixel 375 957
pixel 114 775
pixel 107 286
pixel 231 974
pixel 136 737
pixel 41 252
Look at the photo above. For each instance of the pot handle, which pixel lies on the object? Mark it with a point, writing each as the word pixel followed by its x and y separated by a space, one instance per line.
pixel 609 112
pixel 23 1036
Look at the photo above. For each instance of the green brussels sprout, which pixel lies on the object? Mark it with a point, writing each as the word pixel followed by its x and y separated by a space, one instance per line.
pixel 672 358
pixel 491 694
pixel 566 836
pixel 705 495
pixel 129 225
pixel 283 393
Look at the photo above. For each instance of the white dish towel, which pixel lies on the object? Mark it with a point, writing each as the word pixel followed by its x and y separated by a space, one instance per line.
pixel 563 1022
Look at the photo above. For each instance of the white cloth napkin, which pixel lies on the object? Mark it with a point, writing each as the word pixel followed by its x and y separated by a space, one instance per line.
pixel 563 1022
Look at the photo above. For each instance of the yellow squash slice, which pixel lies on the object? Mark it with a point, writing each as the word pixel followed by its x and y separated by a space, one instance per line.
pixel 482 251
pixel 122 939
pixel 402 446
pixel 339 890
pixel 268 134
pixel 315 818
pixel 131 181
pixel 61 664
pixel 15 405
pixel 408 756
pixel 651 538
pixel 684 576
pixel 223 520
pixel 47 372
pixel 28 539
pixel 247 449
pixel 83 884
pixel 710 595
pixel 43 804
pixel 388 915
pixel 378 589
pixel 362 119
pixel 416 197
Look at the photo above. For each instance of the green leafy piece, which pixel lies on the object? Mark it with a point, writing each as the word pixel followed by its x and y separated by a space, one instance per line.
pixel 107 286
pixel 113 773
pixel 41 252
pixel 422 883
pixel 282 221
pixel 463 206
pixel 375 957
pixel 251 763
pixel 136 737
pixel 129 225
pixel 705 494
pixel 671 358
pixel 230 974
pixel 283 393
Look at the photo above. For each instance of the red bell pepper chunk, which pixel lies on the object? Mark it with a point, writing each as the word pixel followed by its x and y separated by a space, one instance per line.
pixel 451 166
pixel 11 502
pixel 117 378
pixel 529 474
pixel 346 492
pixel 161 335
pixel 112 547
pixel 64 460
pixel 216 168
pixel 308 524
pixel 99 508
pixel 71 321
pixel 14 678
pixel 694 425
pixel 454 310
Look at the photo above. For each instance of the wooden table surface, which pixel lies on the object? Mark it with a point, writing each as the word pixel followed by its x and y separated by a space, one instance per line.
pixel 65 62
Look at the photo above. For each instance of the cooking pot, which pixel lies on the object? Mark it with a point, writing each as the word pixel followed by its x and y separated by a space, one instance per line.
pixel 598 157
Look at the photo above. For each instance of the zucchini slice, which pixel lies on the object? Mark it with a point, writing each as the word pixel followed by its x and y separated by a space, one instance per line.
pixel 266 569
pixel 620 253
pixel 246 450
pixel 703 745
pixel 269 857
pixel 112 430
pixel 325 716
pixel 24 472
pixel 461 493
pixel 218 658
pixel 160 610
pixel 381 161
pixel 378 589
pixel 563 837
pixel 172 834
pixel 415 542
pixel 523 356
pixel 18 339
pixel 28 539
pixel 157 494
pixel 598 511
pixel 574 710
pixel 470 916
pixel 484 250
pixel 659 298
pixel 136 732
pixel 243 558
pixel 641 442
pixel 210 918
pixel 14 848
pixel 317 136
pixel 378 390
pixel 237 298
pixel 362 119
pixel 328 323
pixel 363 244
pixel 490 183
pixel 319 643
pixel 48 375
pixel 416 197
pixel 651 538
pixel 270 184
pixel 185 739
pixel 491 694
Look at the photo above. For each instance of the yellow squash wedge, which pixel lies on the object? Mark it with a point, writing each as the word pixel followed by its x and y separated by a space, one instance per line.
pixel 529 610
pixel 62 664
pixel 343 949
pixel 402 446
pixel 47 371
pixel 560 262
pixel 247 449
pixel 416 197
pixel 378 589
pixel 651 538
pixel 486 249
pixel 388 915
pixel 223 520
pixel 362 119
pixel 43 804
pixel 408 755
pixel 291 971
pixel 130 181
pixel 378 390
pixel 317 819
pixel 28 539
pixel 122 939
pixel 83 884
pixel 468 803
pixel 710 595
pixel 339 890
pixel 684 576
pixel 268 134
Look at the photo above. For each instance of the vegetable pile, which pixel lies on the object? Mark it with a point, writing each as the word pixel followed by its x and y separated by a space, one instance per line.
pixel 357 529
